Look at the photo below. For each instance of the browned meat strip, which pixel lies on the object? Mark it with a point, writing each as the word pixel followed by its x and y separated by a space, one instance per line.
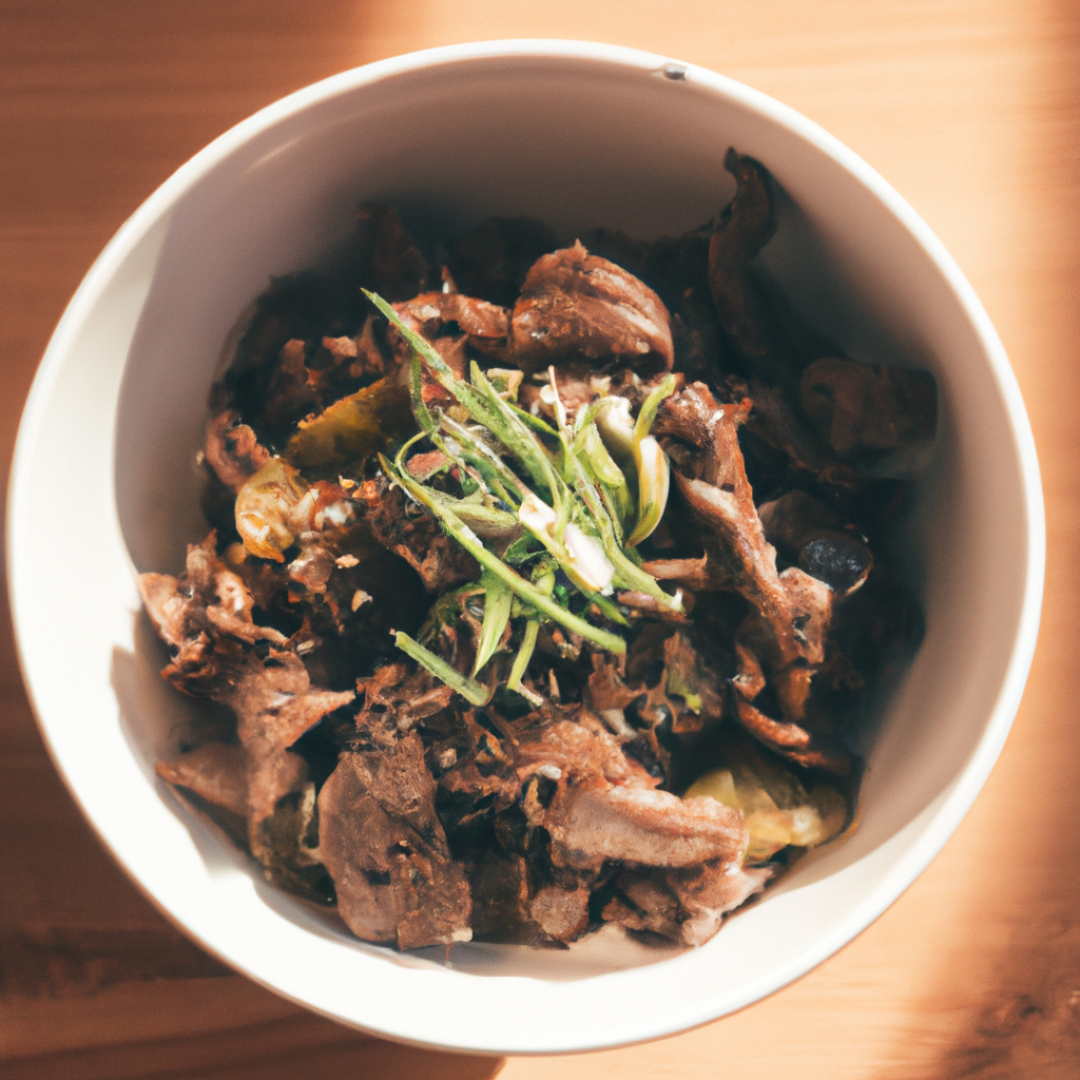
pixel 707 892
pixel 500 900
pixel 792 610
pixel 759 328
pixel 486 326
pixel 590 825
pixel 685 905
pixel 387 852
pixel 747 317
pixel 574 304
pixel 693 574
pixel 506 908
pixel 643 902
pixel 275 704
pixel 562 914
pixel 202 616
pixel 607 691
pixel 567 748
pixel 738 553
pixel 794 742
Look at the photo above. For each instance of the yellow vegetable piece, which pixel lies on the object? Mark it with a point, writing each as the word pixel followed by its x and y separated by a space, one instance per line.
pixel 272 508
pixel 804 820
pixel 718 784
pixel 353 428
pixel 654 482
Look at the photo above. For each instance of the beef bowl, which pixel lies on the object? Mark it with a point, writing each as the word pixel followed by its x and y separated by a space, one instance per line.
pixel 614 148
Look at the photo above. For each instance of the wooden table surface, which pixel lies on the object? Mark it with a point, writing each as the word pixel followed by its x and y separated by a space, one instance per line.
pixel 971 108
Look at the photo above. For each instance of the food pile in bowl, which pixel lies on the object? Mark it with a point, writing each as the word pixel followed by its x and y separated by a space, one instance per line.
pixel 548 587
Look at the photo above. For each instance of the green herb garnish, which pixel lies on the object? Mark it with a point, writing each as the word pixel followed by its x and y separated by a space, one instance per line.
pixel 565 506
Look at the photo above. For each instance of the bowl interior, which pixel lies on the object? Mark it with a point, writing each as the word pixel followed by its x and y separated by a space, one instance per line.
pixel 578 137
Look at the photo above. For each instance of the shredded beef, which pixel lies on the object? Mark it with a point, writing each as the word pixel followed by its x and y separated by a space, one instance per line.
pixel 415 537
pixel 386 850
pixel 205 618
pixel 516 782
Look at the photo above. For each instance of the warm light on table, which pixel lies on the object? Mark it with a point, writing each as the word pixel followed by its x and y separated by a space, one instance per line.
pixel 972 110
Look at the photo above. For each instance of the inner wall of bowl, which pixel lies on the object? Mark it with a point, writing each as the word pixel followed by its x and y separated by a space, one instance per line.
pixel 579 144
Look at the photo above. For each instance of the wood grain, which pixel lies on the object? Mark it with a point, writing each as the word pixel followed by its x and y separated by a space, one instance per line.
pixel 971 108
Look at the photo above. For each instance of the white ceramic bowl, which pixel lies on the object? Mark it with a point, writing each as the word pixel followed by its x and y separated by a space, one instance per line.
pixel 577 135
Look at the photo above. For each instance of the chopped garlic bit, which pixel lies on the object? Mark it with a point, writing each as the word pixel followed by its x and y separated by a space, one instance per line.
pixel 235 554
pixel 587 558
pixel 583 557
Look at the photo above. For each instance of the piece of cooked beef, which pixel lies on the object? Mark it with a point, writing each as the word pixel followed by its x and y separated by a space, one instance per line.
pixel 685 905
pixel 574 305
pixel 232 449
pixel 591 824
pixel 863 410
pixel 786 632
pixel 432 315
pixel 215 772
pixel 386 849
pixel 739 556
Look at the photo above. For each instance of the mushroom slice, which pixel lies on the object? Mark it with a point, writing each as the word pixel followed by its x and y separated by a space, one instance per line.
pixel 575 304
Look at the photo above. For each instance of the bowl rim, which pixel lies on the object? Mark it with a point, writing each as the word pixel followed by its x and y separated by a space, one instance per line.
pixel 955 803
